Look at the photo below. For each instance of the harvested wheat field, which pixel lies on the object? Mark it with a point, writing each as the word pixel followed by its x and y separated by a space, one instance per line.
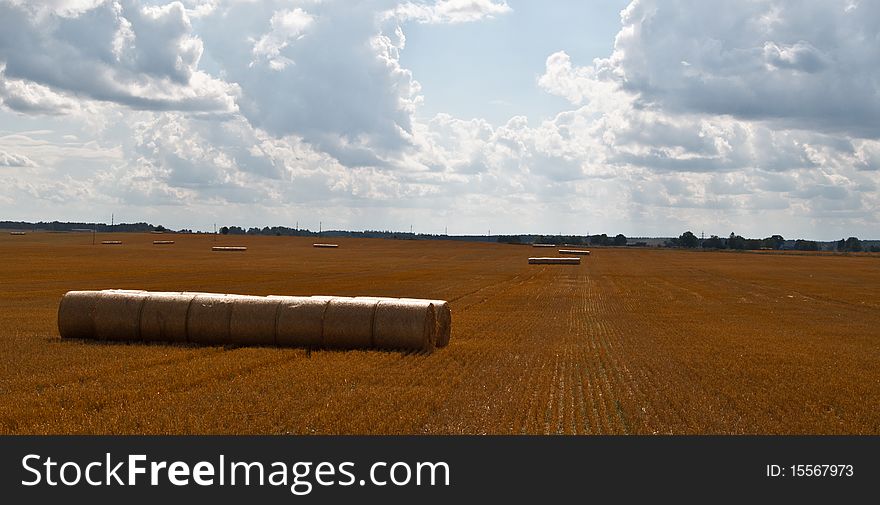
pixel 631 341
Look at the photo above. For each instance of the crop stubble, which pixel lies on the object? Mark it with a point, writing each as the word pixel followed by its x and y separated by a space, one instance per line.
pixel 630 341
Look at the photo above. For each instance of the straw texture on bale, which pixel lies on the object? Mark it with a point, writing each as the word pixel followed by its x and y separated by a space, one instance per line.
pixel 348 322
pixel 211 318
pixel 17 233
pixel 164 316
pixel 76 314
pixel 229 248
pixel 118 315
pixel 554 261
pixel 300 320
pixel 325 245
pixel 443 319
pixel 253 320
pixel 111 242
pixel 162 242
pixel 579 252
pixel 404 324
pixel 543 245
pixel 208 319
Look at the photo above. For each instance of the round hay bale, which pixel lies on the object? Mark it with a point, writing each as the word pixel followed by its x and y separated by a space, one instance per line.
pixel 326 246
pixel 443 317
pixel 300 320
pixel 555 261
pixel 229 248
pixel 76 314
pixel 253 320
pixel 404 324
pixel 118 314
pixel 163 317
pixel 348 323
pixel 208 319
pixel 163 242
pixel 111 242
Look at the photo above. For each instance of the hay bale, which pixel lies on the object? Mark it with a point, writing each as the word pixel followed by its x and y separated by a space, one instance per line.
pixel 443 316
pixel 163 242
pixel 164 316
pixel 216 319
pixel 253 320
pixel 543 245
pixel 118 314
pixel 554 261
pixel 300 320
pixel 229 248
pixel 111 242
pixel 17 233
pixel 207 321
pixel 579 252
pixel 76 314
pixel 348 323
pixel 325 245
pixel 405 324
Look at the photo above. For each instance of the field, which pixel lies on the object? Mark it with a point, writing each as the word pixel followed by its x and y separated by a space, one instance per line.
pixel 630 341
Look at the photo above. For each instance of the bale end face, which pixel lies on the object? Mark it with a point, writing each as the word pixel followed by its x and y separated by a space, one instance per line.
pixel 76 314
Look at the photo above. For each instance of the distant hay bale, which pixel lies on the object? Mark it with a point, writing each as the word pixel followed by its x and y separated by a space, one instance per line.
pixel 579 252
pixel 229 248
pixel 325 245
pixel 218 319
pixel 163 242
pixel 405 324
pixel 300 320
pixel 554 261
pixel 543 245
pixel 76 314
pixel 253 320
pixel 17 233
pixel 111 242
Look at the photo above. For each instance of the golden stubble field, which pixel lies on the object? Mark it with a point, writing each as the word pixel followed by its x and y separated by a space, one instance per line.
pixel 630 341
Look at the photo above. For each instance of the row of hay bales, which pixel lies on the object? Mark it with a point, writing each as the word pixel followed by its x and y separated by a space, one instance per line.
pixel 17 233
pixel 220 319
pixel 559 260
pixel 554 261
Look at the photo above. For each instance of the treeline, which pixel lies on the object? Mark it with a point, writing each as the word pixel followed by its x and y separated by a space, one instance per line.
pixel 602 239
pixel 773 242
pixel 68 226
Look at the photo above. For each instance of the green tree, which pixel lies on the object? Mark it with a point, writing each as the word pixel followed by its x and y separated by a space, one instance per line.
pixel 689 240
pixel 620 239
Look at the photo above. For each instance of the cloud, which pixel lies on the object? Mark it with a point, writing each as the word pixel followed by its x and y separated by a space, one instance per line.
pixel 450 11
pixel 287 26
pixel 14 160
pixel 140 57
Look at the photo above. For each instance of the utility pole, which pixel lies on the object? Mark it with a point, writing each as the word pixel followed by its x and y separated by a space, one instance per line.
pixel 320 227
pixel 111 220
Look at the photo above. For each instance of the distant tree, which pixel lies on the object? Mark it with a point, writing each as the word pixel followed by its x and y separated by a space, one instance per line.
pixel 806 245
pixel 853 244
pixel 735 241
pixel 619 239
pixel 875 248
pixel 773 242
pixel 161 228
pixel 224 230
pixel 688 239
pixel 714 242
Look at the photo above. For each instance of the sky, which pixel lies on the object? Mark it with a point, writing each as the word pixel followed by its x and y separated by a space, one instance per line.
pixel 646 118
